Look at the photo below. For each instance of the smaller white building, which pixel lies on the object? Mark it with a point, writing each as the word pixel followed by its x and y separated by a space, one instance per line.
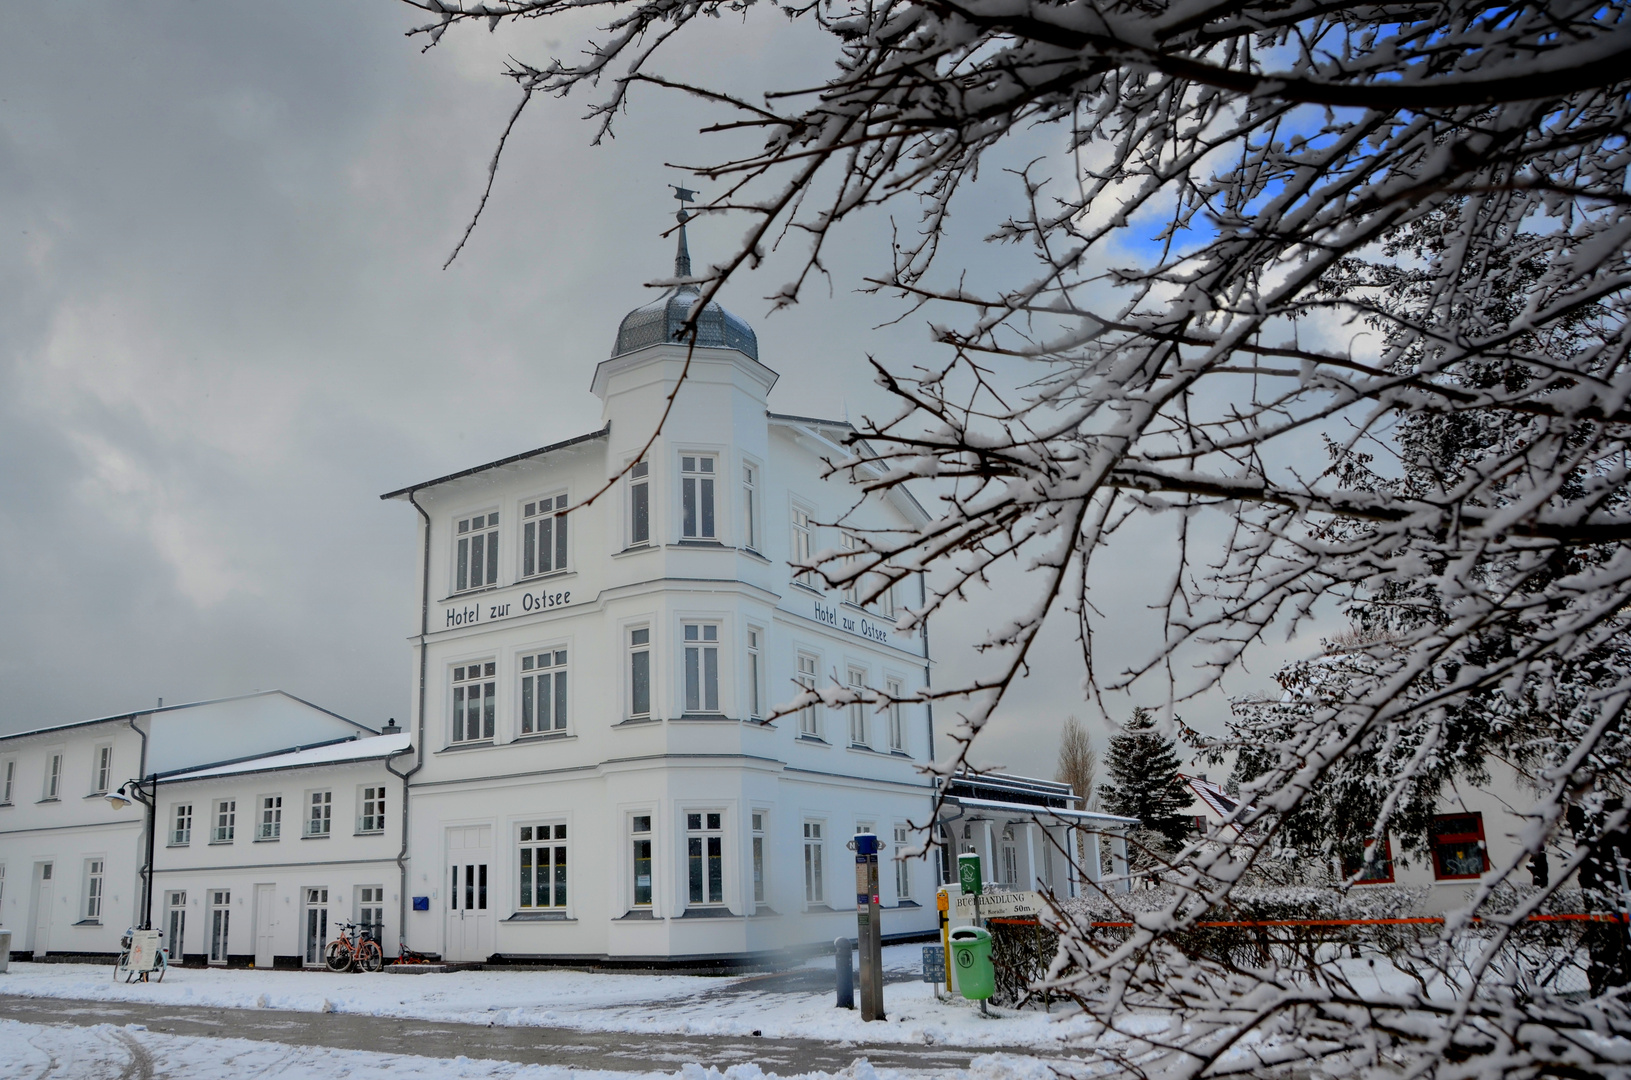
pixel 71 864
pixel 258 859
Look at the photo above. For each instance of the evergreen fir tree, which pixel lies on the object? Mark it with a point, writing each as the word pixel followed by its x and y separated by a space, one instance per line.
pixel 1144 779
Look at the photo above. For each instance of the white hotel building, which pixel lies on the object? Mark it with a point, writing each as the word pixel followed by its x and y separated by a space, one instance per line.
pixel 599 777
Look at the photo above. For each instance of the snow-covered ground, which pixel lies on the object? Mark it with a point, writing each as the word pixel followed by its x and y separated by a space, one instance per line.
pixel 576 1000
pixel 48 1052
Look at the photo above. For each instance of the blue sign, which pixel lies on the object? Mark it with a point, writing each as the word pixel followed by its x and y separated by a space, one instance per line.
pixel 421 903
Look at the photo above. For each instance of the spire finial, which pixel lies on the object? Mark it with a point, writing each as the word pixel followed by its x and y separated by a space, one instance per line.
pixel 682 254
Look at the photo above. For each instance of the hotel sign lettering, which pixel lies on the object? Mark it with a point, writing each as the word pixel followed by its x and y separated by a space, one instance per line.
pixel 853 624
pixel 488 609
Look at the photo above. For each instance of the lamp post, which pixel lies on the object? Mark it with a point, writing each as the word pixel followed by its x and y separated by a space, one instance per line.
pixel 131 791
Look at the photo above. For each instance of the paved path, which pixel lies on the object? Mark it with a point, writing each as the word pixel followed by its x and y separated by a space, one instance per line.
pixel 527 1045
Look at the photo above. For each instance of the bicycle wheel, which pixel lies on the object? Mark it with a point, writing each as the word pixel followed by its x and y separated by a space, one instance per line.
pixel 157 974
pixel 338 956
pixel 122 964
pixel 370 957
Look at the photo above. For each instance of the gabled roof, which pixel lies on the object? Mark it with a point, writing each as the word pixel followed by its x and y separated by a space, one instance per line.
pixel 512 459
pixel 122 717
pixel 334 753
pixel 1211 796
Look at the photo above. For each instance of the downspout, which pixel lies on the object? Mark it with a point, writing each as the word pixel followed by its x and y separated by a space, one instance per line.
pixel 948 863
pixel 152 823
pixel 419 746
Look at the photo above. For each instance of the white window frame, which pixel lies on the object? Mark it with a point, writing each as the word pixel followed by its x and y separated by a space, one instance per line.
pixel 8 780
pixel 53 776
pixel 224 821
pixel 179 836
pixel 485 678
pixel 637 837
pixel 750 505
pixel 558 841
pixel 545 713
pixel 319 814
pixel 639 502
pixel 637 643
pixel 815 856
pixel 895 713
pixel 467 576
pixel 699 495
pixel 758 873
pixel 808 665
pixel 851 545
pixel 95 880
pixel 220 902
pixel 371 803
pixel 699 666
pixel 755 672
pixel 802 533
pixel 705 835
pixel 545 514
pixel 903 870
pixel 371 898
pixel 269 817
pixel 858 733
pixel 101 768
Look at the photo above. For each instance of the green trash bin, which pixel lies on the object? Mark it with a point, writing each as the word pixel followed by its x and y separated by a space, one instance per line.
pixel 971 956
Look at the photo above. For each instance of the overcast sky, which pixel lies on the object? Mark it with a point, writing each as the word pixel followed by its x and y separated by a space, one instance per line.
pixel 225 330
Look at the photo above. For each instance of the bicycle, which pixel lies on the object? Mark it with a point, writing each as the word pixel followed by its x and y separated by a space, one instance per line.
pixel 154 974
pixel 361 953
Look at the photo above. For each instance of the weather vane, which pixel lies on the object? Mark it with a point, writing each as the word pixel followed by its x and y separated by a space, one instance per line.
pixel 684 195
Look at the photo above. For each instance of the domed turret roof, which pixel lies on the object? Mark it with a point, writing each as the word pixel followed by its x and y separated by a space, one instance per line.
pixel 664 318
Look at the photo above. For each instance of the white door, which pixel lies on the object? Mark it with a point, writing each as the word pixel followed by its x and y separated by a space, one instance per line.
pixel 42 909
pixel 470 900
pixel 316 927
pixel 264 895
pixel 220 924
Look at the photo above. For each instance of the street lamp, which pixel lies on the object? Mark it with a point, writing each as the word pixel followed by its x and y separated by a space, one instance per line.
pixel 128 792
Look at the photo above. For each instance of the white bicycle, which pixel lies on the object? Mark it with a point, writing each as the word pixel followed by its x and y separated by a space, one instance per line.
pixel 161 961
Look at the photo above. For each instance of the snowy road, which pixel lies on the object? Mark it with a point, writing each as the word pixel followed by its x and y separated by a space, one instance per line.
pixel 619 1052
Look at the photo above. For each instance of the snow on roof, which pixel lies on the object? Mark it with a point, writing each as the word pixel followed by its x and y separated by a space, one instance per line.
pixel 365 749
pixel 1030 810
pixel 157 710
pixel 1215 798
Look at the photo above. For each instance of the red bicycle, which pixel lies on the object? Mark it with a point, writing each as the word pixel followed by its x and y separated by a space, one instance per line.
pixel 359 952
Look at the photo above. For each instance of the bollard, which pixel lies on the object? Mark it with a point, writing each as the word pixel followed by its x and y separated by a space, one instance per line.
pixel 846 977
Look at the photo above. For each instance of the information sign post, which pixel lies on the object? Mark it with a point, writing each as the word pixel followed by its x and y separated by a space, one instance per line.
pixel 968 876
pixel 869 925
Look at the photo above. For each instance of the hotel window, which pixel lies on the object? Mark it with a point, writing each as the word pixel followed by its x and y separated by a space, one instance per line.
pixel 640 832
pixel 93 889
pixel 697 498
pixel 809 719
pixel 372 818
pixel 53 776
pixel 543 536
pixel 756 675
pixel 897 723
pixel 270 826
pixel 903 877
pixel 371 911
pixel 103 772
pixel 181 829
pixel 473 692
pixel 226 821
pixel 8 776
pixel 850 544
pixel 705 856
pixel 543 692
pixel 543 867
pixel 1458 846
pixel 640 504
pixel 750 507
pixel 640 671
pixel 319 813
pixel 478 553
pixel 701 667
pixel 885 602
pixel 815 891
pixel 758 856
pixel 803 544
pixel 857 709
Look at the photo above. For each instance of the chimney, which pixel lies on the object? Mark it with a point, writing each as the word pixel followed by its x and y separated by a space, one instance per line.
pixel 390 727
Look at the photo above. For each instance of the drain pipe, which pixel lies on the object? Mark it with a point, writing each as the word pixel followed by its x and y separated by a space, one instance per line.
pixel 419 745
pixel 152 824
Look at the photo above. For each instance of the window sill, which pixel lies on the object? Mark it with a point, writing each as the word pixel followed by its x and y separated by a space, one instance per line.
pixel 704 717
pixel 97 795
pixel 637 915
pixel 369 832
pixel 708 913
pixel 453 748
pixel 221 843
pixel 51 799
pixel 698 542
pixel 765 911
pixel 811 589
pixel 540 916
pixel 268 839
pixel 900 754
pixel 551 575
pixel 863 748
pixel 814 740
pixel 638 721
pixel 753 554
pixel 544 736
pixel 907 903
pixel 634 549
pixel 89 922
pixel 316 836
pixel 467 593
pixel 1448 877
